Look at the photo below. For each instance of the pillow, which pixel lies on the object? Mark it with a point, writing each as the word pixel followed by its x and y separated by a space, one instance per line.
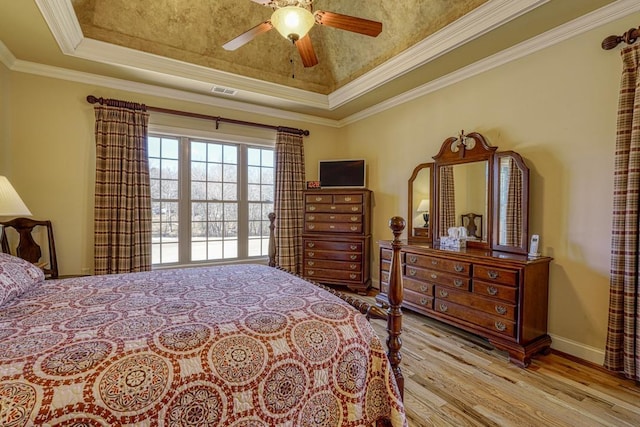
pixel 16 277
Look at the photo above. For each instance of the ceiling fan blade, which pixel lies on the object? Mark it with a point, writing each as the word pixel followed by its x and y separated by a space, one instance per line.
pixel 307 54
pixel 349 23
pixel 247 36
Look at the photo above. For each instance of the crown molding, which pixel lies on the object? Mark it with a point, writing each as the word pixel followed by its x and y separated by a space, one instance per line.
pixel 597 18
pixel 476 23
pixel 64 25
pixel 6 57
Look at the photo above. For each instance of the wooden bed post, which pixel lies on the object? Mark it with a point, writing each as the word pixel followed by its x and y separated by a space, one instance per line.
pixel 272 240
pixel 394 313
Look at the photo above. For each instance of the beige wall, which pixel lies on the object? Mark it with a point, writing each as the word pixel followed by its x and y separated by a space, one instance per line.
pixel 4 120
pixel 557 107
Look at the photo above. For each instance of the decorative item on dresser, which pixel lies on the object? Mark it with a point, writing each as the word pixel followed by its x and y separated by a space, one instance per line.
pixel 490 287
pixel 337 237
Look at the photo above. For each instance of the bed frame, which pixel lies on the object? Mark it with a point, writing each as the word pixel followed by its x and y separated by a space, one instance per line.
pixel 393 314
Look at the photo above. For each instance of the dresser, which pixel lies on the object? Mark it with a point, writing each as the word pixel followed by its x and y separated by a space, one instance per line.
pixel 497 295
pixel 337 237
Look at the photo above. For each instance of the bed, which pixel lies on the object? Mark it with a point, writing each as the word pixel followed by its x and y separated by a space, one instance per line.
pixel 237 345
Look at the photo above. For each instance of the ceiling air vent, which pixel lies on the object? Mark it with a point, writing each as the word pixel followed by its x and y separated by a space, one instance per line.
pixel 223 90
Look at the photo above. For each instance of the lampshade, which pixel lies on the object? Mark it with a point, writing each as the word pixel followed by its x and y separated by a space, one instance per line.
pixel 423 206
pixel 292 22
pixel 10 203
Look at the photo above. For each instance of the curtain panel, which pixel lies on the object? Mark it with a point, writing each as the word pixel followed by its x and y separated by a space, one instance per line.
pixel 623 333
pixel 289 206
pixel 122 225
pixel 514 204
pixel 447 199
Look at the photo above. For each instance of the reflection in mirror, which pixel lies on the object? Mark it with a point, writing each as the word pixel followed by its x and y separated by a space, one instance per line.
pixel 420 202
pixel 512 201
pixel 463 193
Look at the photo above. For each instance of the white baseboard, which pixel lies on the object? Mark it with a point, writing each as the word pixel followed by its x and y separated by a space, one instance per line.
pixel 576 349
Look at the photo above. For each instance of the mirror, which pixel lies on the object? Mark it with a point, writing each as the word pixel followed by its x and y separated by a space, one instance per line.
pixel 511 231
pixel 419 218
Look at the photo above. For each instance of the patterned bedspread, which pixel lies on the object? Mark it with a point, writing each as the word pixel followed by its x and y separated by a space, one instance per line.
pixel 243 345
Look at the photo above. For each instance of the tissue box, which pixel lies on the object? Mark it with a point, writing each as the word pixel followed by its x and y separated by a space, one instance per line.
pixel 448 242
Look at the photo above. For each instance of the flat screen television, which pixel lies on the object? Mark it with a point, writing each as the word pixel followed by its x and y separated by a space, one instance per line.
pixel 349 173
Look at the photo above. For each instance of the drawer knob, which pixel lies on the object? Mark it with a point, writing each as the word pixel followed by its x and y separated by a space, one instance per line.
pixel 311 226
pixel 413 259
pixel 423 288
pixel 312 217
pixel 353 247
pixel 443 307
pixel 333 208
pixel 311 272
pixel 458 268
pixel 434 276
pixel 353 257
pixel 311 254
pixel 312 208
pixel 492 290
pixel 318 199
pixel 311 244
pixel 353 266
pixel 500 326
pixel 310 263
pixel 434 262
pixel 443 293
pixel 492 274
pixel 332 226
pixel 412 272
pixel 423 301
pixel 457 283
pixel 500 309
pixel 347 199
pixel 352 276
pixel 332 217
pixel 354 218
pixel 355 208
pixel 354 228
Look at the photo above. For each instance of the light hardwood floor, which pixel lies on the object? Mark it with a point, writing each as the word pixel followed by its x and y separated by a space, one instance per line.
pixel 452 380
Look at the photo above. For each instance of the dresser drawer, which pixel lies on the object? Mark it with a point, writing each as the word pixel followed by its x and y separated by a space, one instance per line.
pixel 327 217
pixel 318 198
pixel 492 324
pixel 333 208
pixel 488 305
pixel 441 264
pixel 338 265
pixel 435 276
pixel 418 299
pixel 331 227
pixel 386 254
pixel 417 286
pixel 332 255
pixel 493 290
pixel 318 274
pixel 497 275
pixel 347 198
pixel 333 246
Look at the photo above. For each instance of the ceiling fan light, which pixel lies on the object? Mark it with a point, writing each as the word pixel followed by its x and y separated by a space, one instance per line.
pixel 292 22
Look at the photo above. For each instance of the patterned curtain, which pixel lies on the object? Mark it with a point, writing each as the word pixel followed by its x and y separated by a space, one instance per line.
pixel 122 197
pixel 289 205
pixel 447 199
pixel 514 204
pixel 623 340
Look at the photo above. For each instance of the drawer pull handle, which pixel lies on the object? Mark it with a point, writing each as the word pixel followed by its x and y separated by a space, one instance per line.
pixel 458 268
pixel 311 244
pixel 443 307
pixel 412 272
pixel 312 217
pixel 347 199
pixel 434 262
pixel 312 254
pixel 353 257
pixel 413 259
pixel 311 272
pixel 333 208
pixel 310 263
pixel 332 217
pixel 492 274
pixel 501 309
pixel 492 290
pixel 332 226
pixel 354 227
pixel 311 226
pixel 312 208
pixel 423 288
pixel 354 218
pixel 355 208
pixel 318 199
pixel 423 301
pixel 353 266
pixel 500 326
pixel 457 283
pixel 434 276
pixel 352 276
pixel 353 247
pixel 443 293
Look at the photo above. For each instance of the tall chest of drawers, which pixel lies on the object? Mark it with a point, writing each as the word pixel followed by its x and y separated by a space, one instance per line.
pixel 501 297
pixel 337 237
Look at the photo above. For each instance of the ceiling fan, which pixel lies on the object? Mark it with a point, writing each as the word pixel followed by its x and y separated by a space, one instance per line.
pixel 294 18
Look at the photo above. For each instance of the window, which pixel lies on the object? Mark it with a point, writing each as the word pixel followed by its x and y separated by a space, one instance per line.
pixel 210 200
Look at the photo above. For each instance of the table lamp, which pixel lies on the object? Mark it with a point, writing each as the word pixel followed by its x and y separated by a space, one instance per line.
pixel 424 208
pixel 11 204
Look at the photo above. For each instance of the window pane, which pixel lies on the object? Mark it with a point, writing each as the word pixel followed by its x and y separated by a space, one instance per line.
pixel 255 228
pixel 267 176
pixel 253 156
pixel 169 252
pixel 215 212
pixel 198 211
pixel 230 192
pixel 154 168
pixel 255 247
pixel 230 173
pixel 169 190
pixel 198 251
pixel 198 231
pixel 230 249
pixel 267 193
pixel 198 190
pixel 170 148
pixel 253 175
pixel 214 229
pixel 198 171
pixel 214 191
pixel 153 146
pixel 169 169
pixel 267 158
pixel 215 153
pixel 155 188
pixel 214 172
pixel 230 211
pixel 253 192
pixel 198 151
pixel 255 211
pixel 230 154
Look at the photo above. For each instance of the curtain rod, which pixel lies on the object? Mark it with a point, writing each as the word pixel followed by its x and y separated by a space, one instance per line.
pixel 102 101
pixel 629 37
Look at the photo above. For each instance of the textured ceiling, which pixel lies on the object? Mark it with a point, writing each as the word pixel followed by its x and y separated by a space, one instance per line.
pixel 194 31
